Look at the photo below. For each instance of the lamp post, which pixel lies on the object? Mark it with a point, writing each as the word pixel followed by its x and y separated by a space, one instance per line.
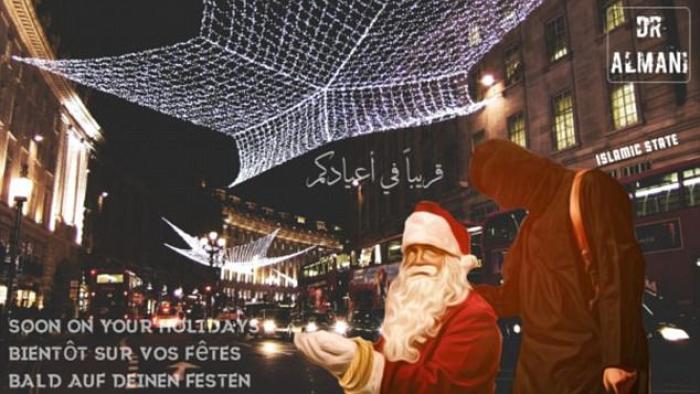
pixel 360 200
pixel 213 245
pixel 20 190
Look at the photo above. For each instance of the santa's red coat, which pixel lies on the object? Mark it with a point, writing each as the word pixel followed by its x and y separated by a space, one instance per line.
pixel 462 358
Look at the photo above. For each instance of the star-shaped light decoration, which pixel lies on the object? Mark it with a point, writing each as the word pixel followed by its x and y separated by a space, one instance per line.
pixel 240 259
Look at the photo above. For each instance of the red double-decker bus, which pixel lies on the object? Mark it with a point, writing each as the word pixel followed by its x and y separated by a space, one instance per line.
pixel 667 218
pixel 667 222
pixel 113 294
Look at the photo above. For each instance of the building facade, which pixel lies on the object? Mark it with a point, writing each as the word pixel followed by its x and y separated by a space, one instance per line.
pixel 46 129
pixel 553 93
pixel 245 221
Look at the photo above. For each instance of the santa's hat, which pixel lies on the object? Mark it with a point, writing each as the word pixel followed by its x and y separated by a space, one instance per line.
pixel 430 224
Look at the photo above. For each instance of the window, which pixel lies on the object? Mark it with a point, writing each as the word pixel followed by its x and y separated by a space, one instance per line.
pixel 691 186
pixel 514 65
pixel 564 131
pixel 394 251
pixel 7 176
pixel 623 104
pixel 657 194
pixel 555 35
pixel 516 129
pixel 500 230
pixel 659 237
pixel 611 14
pixel 636 168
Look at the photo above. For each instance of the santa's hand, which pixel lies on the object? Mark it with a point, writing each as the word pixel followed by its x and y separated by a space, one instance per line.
pixel 330 351
pixel 619 381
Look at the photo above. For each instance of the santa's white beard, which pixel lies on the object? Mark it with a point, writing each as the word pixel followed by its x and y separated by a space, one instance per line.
pixel 415 304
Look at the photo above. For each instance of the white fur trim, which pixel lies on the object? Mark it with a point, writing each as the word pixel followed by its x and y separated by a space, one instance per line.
pixel 374 385
pixel 429 229
pixel 470 260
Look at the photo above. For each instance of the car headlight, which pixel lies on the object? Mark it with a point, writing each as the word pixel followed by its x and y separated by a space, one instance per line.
pixel 673 334
pixel 269 326
pixel 340 327
pixel 311 327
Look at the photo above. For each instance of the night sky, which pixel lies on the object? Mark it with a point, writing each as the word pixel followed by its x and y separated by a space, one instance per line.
pixel 172 156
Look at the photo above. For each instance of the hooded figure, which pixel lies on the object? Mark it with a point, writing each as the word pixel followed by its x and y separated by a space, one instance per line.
pixel 573 335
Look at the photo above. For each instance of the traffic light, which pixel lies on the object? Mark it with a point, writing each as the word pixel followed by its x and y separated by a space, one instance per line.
pixel 207 289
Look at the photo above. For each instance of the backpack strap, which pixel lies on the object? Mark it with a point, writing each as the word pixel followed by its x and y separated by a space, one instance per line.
pixel 577 218
pixel 580 232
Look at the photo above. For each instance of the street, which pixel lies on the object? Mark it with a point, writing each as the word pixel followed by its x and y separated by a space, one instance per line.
pixel 271 366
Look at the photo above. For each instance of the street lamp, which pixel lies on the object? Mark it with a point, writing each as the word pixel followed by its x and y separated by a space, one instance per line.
pixel 360 200
pixel 213 245
pixel 20 190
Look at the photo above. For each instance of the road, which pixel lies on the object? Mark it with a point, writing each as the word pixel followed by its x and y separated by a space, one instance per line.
pixel 263 366
pixel 252 366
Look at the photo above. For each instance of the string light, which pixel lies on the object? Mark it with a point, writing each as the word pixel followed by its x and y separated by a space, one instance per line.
pixel 283 79
pixel 242 259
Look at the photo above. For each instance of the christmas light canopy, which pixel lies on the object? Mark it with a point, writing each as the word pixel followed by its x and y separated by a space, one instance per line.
pixel 284 77
pixel 244 259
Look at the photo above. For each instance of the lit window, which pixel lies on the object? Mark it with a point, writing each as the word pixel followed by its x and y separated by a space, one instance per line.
pixel 624 105
pixel 3 294
pixel 474 36
pixel 564 131
pixel 612 14
pixel 691 186
pixel 516 129
pixel 557 43
pixel 514 65
pixel 657 194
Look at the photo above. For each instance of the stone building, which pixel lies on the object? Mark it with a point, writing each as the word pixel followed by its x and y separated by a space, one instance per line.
pixel 553 92
pixel 45 128
pixel 245 221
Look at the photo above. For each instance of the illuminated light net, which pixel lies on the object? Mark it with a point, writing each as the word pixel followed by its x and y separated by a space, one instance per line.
pixel 283 77
pixel 240 258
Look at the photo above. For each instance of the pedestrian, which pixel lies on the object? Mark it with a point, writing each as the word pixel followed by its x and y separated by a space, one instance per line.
pixel 582 325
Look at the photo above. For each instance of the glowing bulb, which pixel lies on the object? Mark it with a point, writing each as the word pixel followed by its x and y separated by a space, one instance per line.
pixel 357 67
pixel 488 80
pixel 213 235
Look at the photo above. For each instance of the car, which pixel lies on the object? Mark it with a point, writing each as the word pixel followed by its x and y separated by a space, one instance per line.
pixel 271 322
pixel 295 326
pixel 228 314
pixel 672 334
pixel 168 316
pixel 670 330
pixel 318 321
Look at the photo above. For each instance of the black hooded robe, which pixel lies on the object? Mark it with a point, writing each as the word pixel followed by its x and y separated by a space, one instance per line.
pixel 566 344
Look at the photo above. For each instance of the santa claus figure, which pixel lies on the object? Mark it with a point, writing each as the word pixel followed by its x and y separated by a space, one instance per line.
pixel 437 337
